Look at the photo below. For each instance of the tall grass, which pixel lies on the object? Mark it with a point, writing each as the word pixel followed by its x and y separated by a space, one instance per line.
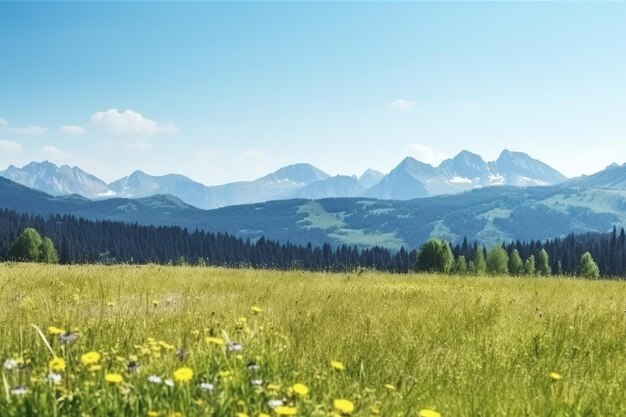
pixel 457 346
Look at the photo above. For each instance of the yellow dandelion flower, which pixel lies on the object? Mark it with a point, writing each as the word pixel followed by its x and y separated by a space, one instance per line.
pixel 256 309
pixel 114 378
pixel 183 375
pixel 152 413
pixel 426 412
pixel 90 358
pixel 95 368
pixel 215 341
pixel 57 364
pixel 337 365
pixel 300 389
pixel 55 331
pixel 555 376
pixel 343 406
pixel 285 410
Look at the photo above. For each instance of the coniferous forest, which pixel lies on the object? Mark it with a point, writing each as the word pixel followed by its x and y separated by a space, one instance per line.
pixel 85 241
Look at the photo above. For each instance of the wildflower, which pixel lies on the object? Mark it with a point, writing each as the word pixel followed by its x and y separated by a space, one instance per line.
pixel 300 389
pixel 90 358
pixel 169 383
pixel 337 365
pixel 183 374
pixel 54 331
pixel 234 347
pixel 256 309
pixel 343 406
pixel 555 376
pixel 274 403
pixel 68 337
pixel 10 364
pixel 205 386
pixel 285 410
pixel 215 341
pixel 114 378
pixel 19 391
pixel 54 378
pixel 428 413
pixel 256 382
pixel 57 364
pixel 253 366
pixel 155 379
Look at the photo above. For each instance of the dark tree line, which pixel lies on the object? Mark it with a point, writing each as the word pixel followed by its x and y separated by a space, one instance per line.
pixel 85 241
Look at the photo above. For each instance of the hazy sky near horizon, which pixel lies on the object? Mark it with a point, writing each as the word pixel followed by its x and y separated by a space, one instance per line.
pixel 231 91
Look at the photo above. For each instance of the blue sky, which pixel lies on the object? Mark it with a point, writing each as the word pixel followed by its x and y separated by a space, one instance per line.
pixel 230 91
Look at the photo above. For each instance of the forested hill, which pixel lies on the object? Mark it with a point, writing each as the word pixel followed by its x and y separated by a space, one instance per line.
pixel 86 241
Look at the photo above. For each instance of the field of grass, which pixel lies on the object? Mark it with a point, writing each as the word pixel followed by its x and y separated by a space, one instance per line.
pixel 170 341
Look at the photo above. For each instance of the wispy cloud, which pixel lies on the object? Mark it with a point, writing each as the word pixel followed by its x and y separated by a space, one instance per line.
pixel 129 122
pixel 400 105
pixel 53 153
pixel 10 147
pixel 425 153
pixel 73 130
pixel 30 130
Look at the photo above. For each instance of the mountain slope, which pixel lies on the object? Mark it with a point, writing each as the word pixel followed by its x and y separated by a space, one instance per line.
pixel 48 177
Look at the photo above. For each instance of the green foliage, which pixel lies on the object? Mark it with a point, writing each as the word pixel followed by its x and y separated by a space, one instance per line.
pixel 587 268
pixel 431 330
pixel 460 266
pixel 27 247
pixel 529 265
pixel 497 261
pixel 435 256
pixel 478 259
pixel 31 247
pixel 516 265
pixel 47 252
pixel 543 264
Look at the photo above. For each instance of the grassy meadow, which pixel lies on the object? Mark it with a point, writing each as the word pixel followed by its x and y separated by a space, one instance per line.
pixel 181 341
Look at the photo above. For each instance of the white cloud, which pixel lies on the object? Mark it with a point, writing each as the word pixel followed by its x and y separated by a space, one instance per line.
pixel 73 130
pixel 10 147
pixel 129 122
pixel 54 153
pixel 400 105
pixel 426 154
pixel 30 130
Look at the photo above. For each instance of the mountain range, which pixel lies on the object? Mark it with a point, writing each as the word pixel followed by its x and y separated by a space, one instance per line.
pixel 490 214
pixel 410 179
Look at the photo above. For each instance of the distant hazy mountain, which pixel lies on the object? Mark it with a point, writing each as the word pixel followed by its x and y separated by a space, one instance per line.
pixel 410 179
pixel 613 178
pixel 55 180
pixel 370 178
pixel 464 172
pixel 339 186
